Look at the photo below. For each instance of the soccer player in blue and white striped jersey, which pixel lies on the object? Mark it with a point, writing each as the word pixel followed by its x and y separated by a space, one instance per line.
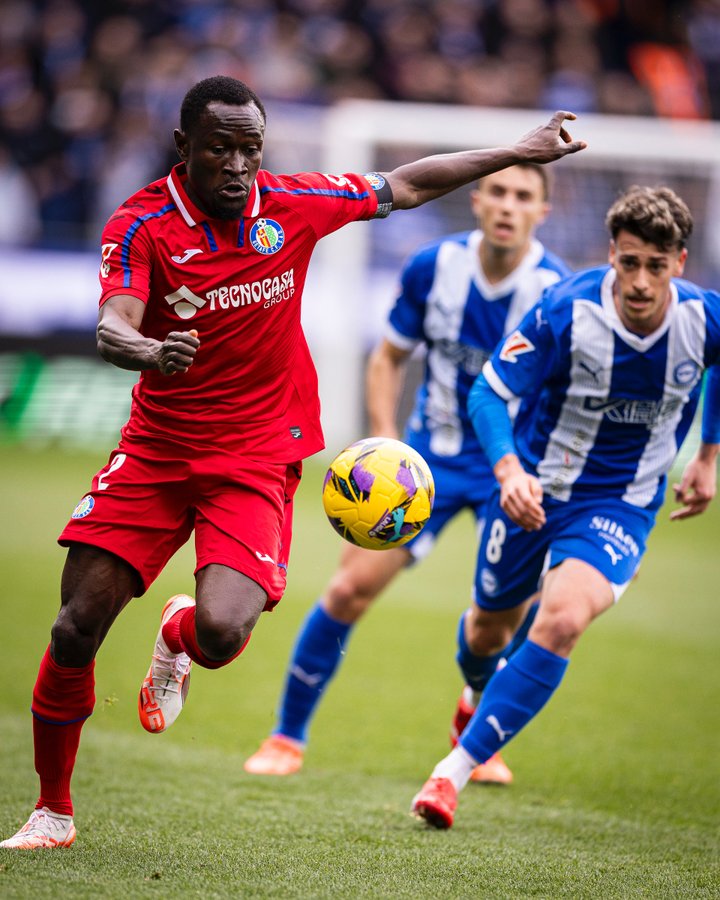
pixel 619 354
pixel 458 297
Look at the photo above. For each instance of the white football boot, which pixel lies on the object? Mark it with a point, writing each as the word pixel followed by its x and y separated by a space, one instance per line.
pixel 44 830
pixel 167 682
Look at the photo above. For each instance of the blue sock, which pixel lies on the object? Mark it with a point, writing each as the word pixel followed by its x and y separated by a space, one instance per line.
pixel 477 670
pixel 515 695
pixel 522 631
pixel 315 658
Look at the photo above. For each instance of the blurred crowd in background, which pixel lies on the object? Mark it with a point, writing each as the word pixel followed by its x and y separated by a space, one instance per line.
pixel 90 91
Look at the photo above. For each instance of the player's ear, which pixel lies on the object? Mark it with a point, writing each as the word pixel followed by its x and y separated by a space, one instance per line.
pixel 181 144
pixel 546 208
pixel 680 263
pixel 611 253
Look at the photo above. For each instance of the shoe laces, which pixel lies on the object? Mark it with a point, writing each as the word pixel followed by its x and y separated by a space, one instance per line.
pixel 43 824
pixel 169 671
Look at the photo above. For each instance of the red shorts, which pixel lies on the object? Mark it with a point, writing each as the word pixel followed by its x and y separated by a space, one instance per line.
pixel 144 506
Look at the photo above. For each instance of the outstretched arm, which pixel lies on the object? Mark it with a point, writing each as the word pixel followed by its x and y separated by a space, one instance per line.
pixel 384 380
pixel 120 342
pixel 425 179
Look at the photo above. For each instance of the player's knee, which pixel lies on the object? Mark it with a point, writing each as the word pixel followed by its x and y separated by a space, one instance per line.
pixel 219 639
pixel 558 632
pixel 74 640
pixel 347 596
pixel 485 635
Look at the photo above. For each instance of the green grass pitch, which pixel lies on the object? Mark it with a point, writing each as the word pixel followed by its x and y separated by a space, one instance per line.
pixel 617 790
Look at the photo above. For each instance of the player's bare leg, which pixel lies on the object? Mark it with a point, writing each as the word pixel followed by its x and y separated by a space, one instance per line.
pixel 359 579
pixel 211 631
pixel 96 585
pixel 561 621
pixel 361 576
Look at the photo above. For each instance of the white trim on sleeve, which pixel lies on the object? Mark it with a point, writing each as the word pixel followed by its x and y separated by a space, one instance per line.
pixel 399 340
pixel 496 383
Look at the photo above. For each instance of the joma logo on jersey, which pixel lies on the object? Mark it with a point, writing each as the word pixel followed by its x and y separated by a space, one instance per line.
pixel 269 291
pixel 515 346
pixel 635 412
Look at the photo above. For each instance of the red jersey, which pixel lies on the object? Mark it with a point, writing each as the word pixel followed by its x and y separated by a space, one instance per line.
pixel 252 387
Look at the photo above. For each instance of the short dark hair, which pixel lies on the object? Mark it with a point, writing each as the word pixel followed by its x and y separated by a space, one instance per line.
pixel 543 173
pixel 218 89
pixel 545 176
pixel 655 215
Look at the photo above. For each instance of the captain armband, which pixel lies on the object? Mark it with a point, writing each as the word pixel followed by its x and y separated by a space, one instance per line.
pixel 383 192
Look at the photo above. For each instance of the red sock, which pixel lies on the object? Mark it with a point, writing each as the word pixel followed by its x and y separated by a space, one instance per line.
pixel 182 635
pixel 171 630
pixel 62 699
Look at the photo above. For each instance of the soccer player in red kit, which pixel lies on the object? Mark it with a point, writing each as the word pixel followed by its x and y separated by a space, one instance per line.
pixel 202 276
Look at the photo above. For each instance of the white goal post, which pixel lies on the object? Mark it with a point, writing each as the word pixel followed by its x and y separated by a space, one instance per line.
pixel 352 280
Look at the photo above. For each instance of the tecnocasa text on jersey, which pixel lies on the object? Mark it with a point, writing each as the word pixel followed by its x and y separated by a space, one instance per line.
pixel 267 291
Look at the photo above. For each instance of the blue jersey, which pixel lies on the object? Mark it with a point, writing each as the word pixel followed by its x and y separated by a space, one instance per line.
pixel 447 303
pixel 613 407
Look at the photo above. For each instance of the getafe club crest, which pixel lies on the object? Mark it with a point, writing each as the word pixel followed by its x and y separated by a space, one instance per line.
pixel 375 180
pixel 84 507
pixel 267 236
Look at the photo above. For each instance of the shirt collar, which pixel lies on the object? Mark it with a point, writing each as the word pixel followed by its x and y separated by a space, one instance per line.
pixel 190 213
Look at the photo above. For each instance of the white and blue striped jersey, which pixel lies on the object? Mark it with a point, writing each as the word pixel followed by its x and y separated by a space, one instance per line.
pixel 447 303
pixel 613 407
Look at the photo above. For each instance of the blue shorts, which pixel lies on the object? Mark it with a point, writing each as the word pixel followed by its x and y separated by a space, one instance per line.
pixel 460 483
pixel 608 534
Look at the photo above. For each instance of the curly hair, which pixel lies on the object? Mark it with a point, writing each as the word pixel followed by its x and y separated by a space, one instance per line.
pixel 655 215
pixel 218 89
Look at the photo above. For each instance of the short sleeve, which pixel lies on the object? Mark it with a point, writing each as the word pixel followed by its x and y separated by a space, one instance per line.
pixel 326 202
pixel 524 358
pixel 126 258
pixel 406 322
pixel 712 324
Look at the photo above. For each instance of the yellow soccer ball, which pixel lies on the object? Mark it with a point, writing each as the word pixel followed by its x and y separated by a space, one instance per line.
pixel 378 493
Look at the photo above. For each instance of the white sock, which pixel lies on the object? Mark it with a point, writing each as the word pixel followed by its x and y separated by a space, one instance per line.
pixel 456 766
pixel 471 697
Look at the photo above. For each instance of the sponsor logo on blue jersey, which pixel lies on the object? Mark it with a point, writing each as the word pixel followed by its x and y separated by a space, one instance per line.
pixel 267 236
pixel 613 532
pixel 634 412
pixel 515 346
pixel 84 507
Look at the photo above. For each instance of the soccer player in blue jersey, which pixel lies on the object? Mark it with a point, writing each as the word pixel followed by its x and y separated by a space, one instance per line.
pixel 458 297
pixel 619 354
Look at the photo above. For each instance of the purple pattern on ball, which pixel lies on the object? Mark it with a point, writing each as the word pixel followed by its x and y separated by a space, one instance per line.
pixel 328 477
pixel 363 479
pixel 405 478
